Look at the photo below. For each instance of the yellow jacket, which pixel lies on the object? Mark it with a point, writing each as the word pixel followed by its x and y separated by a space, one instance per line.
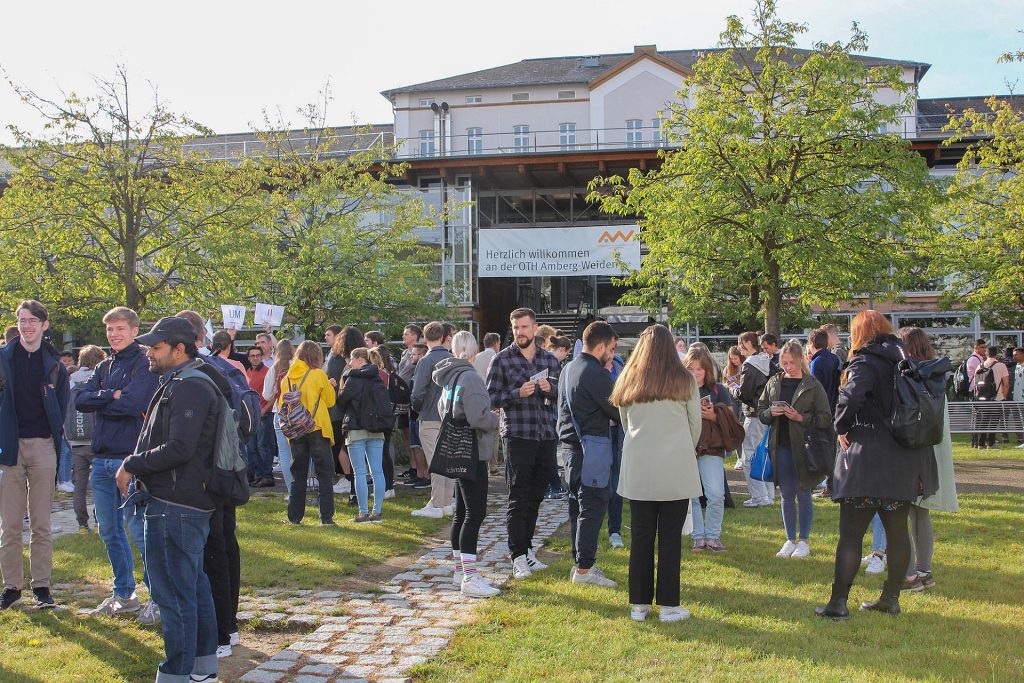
pixel 316 386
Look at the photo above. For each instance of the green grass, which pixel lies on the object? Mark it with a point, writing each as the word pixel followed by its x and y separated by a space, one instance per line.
pixel 752 614
pixel 962 451
pixel 59 646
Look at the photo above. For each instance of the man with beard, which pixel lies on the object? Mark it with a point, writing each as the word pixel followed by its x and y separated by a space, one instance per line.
pixel 522 383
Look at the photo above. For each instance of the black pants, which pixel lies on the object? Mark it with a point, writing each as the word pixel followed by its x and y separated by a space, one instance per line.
pixel 587 507
pixel 315 447
pixel 222 564
pixel 661 520
pixel 528 466
pixel 388 462
pixel 853 523
pixel 470 510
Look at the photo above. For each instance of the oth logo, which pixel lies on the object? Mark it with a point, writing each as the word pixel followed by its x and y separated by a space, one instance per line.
pixel 617 236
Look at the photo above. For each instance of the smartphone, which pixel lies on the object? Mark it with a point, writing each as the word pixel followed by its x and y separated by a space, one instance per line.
pixel 706 401
pixel 780 404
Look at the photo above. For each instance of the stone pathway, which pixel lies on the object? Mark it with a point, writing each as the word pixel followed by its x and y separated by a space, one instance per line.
pixel 382 635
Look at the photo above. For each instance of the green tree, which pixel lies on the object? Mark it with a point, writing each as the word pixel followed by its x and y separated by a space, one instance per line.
pixel 786 192
pixel 345 249
pixel 982 244
pixel 110 206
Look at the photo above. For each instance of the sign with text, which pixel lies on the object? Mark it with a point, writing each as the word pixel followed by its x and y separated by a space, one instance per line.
pixel 538 252
pixel 268 313
pixel 234 316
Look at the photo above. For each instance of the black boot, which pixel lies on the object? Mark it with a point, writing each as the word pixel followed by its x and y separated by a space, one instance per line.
pixel 836 608
pixel 888 602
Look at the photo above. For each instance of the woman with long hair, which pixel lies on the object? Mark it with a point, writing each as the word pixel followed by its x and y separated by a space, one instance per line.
pixel 731 374
pixel 380 357
pixel 283 356
pixel 922 534
pixel 659 404
pixel 341 350
pixel 873 473
pixel 365 446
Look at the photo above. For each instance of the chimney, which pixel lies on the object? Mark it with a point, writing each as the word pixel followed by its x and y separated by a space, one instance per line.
pixel 645 49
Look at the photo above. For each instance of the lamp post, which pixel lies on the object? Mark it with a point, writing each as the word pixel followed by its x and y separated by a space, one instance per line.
pixel 441 111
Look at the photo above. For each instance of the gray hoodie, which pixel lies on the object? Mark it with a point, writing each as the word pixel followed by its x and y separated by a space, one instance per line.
pixel 472 401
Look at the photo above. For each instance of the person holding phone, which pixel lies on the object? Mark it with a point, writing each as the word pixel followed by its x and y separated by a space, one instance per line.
pixel 792 401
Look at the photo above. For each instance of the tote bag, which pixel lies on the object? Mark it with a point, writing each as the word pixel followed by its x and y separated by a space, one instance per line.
pixel 457 452
pixel 761 463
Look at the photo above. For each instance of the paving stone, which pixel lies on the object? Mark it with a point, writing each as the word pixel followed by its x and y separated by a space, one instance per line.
pixel 328 594
pixel 351 648
pixel 263 676
pixel 317 635
pixel 332 659
pixel 288 655
pixel 413 621
pixel 367 628
pixel 319 669
pixel 273 617
pixel 373 660
pixel 373 620
pixel 411 661
pixel 344 619
pixel 303 620
pixel 333 628
pixel 359 638
pixel 356 671
pixel 307 646
pixel 277 665
pixel 440 632
pixel 309 678
pixel 408 576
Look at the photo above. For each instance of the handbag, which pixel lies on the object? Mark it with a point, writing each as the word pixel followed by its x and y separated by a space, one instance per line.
pixel 457 452
pixel 597 455
pixel 820 450
pixel 761 463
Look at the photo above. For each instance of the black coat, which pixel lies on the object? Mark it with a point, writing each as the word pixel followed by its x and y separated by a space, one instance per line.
pixel 335 369
pixel 875 465
pixel 351 398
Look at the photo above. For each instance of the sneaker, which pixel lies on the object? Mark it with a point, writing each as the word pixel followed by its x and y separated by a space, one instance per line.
pixel 787 550
pixel 390 493
pixel 698 545
pixel 535 564
pixel 714 545
pixel 927 580
pixel 352 500
pixel 766 502
pixel 422 483
pixel 327 522
pixel 751 502
pixel 234 638
pixel 115 605
pixel 738 466
pixel 448 510
pixel 43 599
pixel 477 587
pixel 342 486
pixel 203 678
pixel 312 483
pixel 267 483
pixel 149 615
pixel 594 577
pixel 66 487
pixel 919 584
pixel 824 493
pixel 223 651
pixel 615 540
pixel 876 563
pixel 428 510
pixel 408 474
pixel 457 576
pixel 1020 445
pixel 361 518
pixel 376 517
pixel 667 614
pixel 84 529
pixel 10 598
pixel 639 612
pixel 802 549
pixel 521 568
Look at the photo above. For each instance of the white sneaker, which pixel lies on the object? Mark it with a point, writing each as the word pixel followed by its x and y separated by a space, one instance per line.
pixel 639 612
pixel 766 502
pixel 802 549
pixel 667 614
pixel 521 568
pixel 457 576
pixel 341 487
pixel 788 548
pixel 535 564
pixel 876 564
pixel 312 483
pixel 594 577
pixel 390 493
pixel 616 541
pixel 234 638
pixel 1020 445
pixel 739 465
pixel 115 605
pixel 751 502
pixel 476 587
pixel 66 487
pixel 428 511
pixel 448 510
pixel 150 614
pixel 223 651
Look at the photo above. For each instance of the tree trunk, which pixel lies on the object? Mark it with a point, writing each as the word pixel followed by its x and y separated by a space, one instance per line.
pixel 773 299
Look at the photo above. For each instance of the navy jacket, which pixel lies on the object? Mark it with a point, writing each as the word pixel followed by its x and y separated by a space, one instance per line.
pixel 55 400
pixel 118 422
pixel 586 383
pixel 825 367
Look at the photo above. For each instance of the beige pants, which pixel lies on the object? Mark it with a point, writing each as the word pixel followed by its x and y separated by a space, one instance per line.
pixel 442 489
pixel 30 482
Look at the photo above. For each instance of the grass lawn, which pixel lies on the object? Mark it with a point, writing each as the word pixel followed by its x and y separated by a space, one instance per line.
pixel 962 451
pixel 752 614
pixel 59 646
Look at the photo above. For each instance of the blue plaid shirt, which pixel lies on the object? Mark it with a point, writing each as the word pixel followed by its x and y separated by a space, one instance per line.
pixel 523 418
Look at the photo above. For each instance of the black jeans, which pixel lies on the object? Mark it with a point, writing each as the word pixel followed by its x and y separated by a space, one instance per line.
pixel 528 466
pixel 388 462
pixel 222 564
pixel 81 463
pixel 853 523
pixel 315 447
pixel 470 510
pixel 587 507
pixel 661 520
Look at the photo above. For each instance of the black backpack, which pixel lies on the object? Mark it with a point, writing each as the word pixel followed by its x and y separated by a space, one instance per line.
pixel 919 404
pixel 962 380
pixel 245 402
pixel 376 414
pixel 985 386
pixel 399 390
pixel 78 426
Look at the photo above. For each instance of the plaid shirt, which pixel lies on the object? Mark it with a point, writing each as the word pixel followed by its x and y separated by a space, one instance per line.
pixel 523 418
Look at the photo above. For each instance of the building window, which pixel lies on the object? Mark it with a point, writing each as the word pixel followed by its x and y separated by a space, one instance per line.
pixel 474 99
pixel 520 97
pixel 426 102
pixel 521 138
pixel 566 94
pixel 567 136
pixel 657 136
pixel 474 140
pixel 634 133
pixel 426 143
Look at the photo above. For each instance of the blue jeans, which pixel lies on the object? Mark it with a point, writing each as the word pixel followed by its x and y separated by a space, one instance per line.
pixel 789 487
pixel 615 502
pixel 878 540
pixel 359 452
pixel 64 462
pixel 175 537
pixel 284 456
pixel 707 523
pixel 259 452
pixel 112 519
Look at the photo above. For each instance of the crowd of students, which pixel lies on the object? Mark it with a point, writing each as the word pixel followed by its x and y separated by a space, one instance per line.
pixel 570 422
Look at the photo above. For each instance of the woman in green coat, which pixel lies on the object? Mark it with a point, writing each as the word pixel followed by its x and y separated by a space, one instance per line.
pixel 792 401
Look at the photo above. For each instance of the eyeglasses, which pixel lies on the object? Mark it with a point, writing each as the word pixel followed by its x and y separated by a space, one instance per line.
pixel 255 355
pixel 29 322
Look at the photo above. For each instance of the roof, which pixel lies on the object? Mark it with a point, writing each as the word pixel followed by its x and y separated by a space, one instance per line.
pixel 933 113
pixel 586 68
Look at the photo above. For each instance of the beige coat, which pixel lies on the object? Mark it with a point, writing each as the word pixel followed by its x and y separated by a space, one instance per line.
pixel 659 455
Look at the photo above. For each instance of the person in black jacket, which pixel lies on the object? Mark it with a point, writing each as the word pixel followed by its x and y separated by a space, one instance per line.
pixel 365 447
pixel 873 473
pixel 171 465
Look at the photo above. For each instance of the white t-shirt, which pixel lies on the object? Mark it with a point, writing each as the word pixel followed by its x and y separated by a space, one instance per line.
pixel 1018 382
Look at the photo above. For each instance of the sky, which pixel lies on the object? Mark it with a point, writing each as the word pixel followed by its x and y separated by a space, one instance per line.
pixel 224 62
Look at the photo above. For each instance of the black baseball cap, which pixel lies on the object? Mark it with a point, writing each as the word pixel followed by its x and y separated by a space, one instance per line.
pixel 172 330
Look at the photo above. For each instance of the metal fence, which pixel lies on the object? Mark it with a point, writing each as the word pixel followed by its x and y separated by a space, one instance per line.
pixel 986 417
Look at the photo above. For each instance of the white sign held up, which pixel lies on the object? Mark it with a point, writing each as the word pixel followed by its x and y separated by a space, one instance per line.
pixel 234 316
pixel 268 313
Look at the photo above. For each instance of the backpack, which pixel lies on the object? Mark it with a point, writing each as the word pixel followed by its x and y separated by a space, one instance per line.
pixel 919 404
pixel 400 393
pixel 244 401
pixel 985 386
pixel 294 418
pixel 962 380
pixel 376 413
pixel 228 480
pixel 78 426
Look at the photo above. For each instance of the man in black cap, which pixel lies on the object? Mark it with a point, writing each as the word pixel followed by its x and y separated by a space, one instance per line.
pixel 172 464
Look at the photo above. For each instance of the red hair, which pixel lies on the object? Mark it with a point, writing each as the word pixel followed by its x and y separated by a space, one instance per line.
pixel 866 327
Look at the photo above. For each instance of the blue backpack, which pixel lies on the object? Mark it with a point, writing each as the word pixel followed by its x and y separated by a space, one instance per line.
pixel 245 401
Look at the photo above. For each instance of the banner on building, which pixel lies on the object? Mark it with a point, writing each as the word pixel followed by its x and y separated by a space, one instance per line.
pixel 539 252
